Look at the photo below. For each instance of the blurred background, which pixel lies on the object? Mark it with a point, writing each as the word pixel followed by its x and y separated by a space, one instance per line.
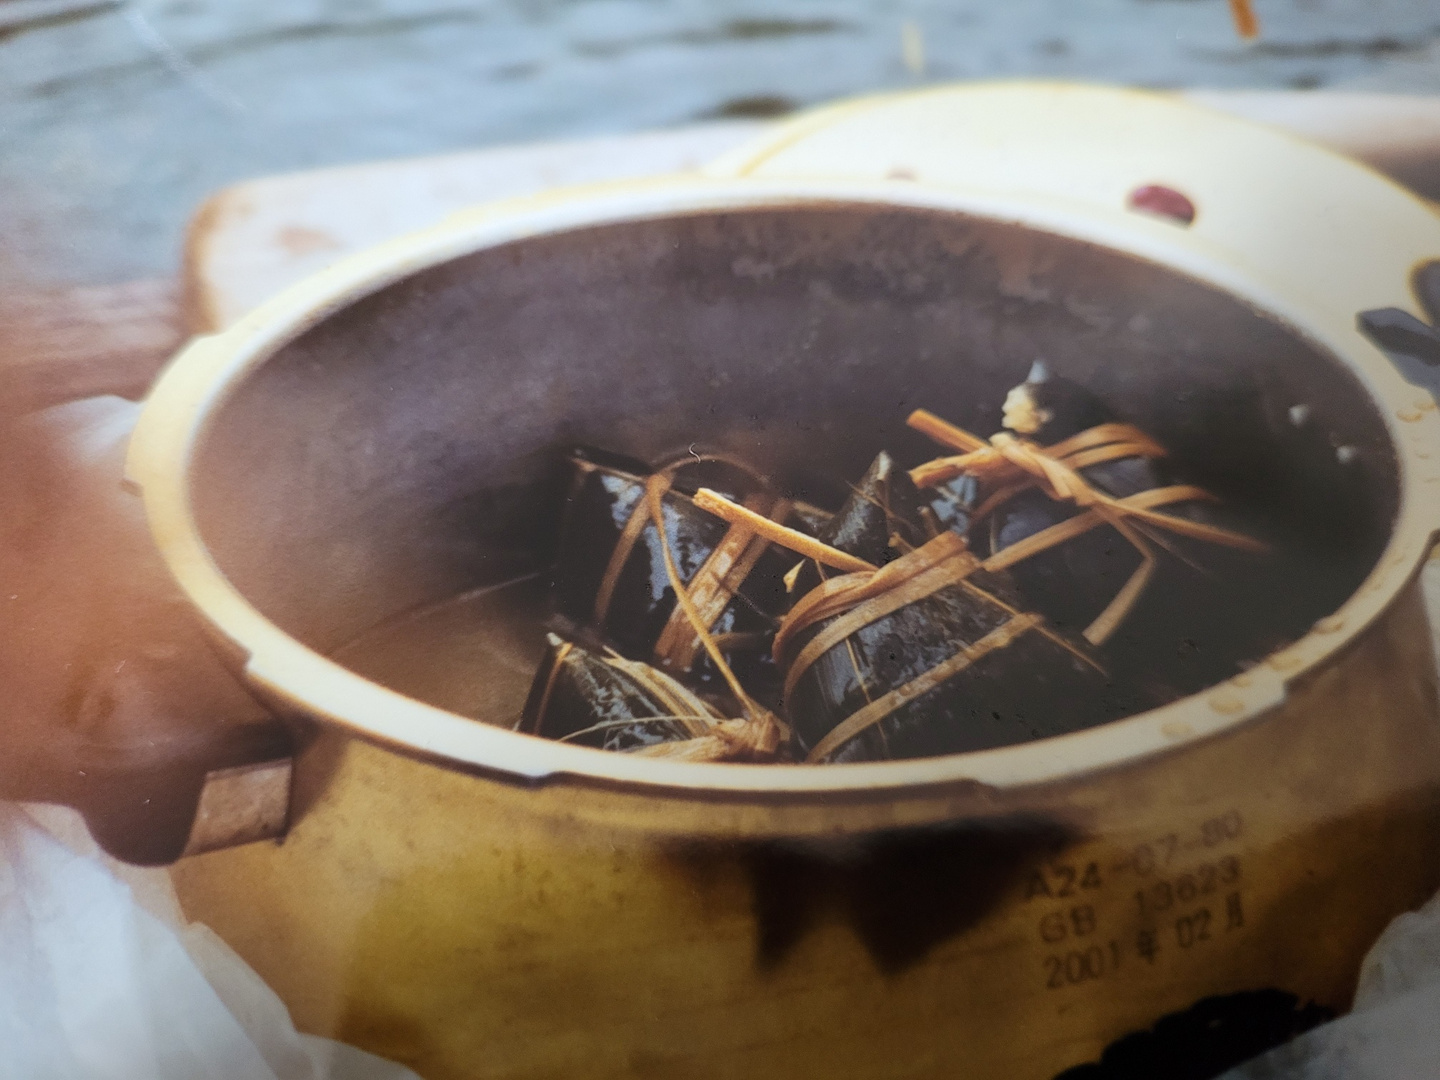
pixel 116 119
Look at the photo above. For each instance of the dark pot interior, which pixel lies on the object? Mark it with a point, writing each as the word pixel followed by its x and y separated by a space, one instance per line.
pixel 407 449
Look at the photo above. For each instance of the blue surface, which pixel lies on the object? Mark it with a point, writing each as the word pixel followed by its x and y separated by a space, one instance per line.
pixel 115 122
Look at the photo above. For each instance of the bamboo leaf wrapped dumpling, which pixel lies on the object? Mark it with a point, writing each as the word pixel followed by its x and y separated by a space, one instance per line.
pixel 610 573
pixel 917 659
pixel 610 703
pixel 925 655
pixel 1170 583
pixel 881 520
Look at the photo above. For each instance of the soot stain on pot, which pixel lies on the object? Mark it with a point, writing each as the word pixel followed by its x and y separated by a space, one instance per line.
pixel 902 893
pixel 894 268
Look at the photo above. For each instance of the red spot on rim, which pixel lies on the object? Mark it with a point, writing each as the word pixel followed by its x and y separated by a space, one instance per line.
pixel 1162 201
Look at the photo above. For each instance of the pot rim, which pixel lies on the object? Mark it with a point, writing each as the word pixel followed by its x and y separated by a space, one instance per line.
pixel 203 376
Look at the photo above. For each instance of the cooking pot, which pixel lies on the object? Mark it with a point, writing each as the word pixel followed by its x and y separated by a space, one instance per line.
pixel 357 486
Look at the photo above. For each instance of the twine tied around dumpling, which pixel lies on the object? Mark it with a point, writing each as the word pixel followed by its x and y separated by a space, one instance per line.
pixel 1008 465
pixel 757 733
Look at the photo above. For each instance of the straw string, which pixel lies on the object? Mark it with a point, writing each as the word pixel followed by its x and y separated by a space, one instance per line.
pixel 1008 465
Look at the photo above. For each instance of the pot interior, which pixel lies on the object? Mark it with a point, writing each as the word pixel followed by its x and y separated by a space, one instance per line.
pixel 407 450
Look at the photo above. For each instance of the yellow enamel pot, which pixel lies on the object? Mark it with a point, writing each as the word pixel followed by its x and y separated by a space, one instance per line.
pixel 476 902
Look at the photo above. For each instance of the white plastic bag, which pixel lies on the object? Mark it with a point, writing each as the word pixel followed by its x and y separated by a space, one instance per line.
pixel 102 981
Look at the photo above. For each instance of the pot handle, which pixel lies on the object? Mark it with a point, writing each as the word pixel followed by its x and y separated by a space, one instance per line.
pixel 154 786
pixel 115 701
pixel 1412 344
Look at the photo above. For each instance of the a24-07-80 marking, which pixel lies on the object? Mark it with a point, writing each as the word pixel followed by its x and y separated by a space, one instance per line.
pixel 1164 904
